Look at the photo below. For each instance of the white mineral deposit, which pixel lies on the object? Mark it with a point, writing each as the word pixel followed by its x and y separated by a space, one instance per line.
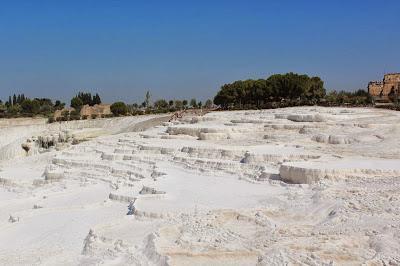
pixel 291 186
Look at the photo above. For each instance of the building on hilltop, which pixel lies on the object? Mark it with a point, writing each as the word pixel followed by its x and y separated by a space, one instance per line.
pixel 389 85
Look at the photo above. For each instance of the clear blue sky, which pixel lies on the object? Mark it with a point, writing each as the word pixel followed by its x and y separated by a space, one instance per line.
pixel 184 49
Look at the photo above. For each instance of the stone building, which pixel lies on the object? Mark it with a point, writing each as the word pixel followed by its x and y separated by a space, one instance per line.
pixel 390 85
pixel 97 110
pixel 59 113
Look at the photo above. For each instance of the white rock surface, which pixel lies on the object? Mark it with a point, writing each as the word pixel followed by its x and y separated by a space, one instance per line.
pixel 292 186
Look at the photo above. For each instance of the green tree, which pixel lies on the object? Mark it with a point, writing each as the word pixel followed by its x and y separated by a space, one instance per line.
pixel 119 108
pixel 208 104
pixel 3 107
pixel 290 87
pixel 96 99
pixel 184 103
pixel 30 106
pixel 88 99
pixel 161 104
pixel 178 104
pixel 45 105
pixel 14 109
pixel 75 115
pixel 193 103
pixel 58 105
pixel 147 99
pixel 9 103
pixel 85 97
pixel 76 103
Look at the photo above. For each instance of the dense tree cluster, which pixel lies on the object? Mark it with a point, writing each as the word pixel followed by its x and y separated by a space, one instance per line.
pixel 85 98
pixel 22 106
pixel 278 90
pixel 164 106
pixel 260 93
pixel 357 98
pixel 283 90
pixel 15 99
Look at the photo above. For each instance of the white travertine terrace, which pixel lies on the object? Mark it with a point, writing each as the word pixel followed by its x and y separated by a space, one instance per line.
pixel 292 186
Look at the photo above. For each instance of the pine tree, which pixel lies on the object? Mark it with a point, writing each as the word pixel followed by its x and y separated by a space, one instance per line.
pixel 96 99
pixel 147 99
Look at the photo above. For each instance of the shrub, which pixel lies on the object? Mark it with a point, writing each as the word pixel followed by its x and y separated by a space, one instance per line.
pixel 119 108
pixel 65 115
pixel 61 118
pixel 75 115
pixel 30 107
pixel 193 103
pixel 161 104
pixel 208 104
pixel 93 116
pixel 51 120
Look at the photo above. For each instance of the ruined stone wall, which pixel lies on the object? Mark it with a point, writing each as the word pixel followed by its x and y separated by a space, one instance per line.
pixel 58 113
pixel 375 88
pixel 393 77
pixel 97 109
pixel 391 82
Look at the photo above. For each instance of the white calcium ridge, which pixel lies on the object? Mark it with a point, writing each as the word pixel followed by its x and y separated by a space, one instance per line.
pixel 291 186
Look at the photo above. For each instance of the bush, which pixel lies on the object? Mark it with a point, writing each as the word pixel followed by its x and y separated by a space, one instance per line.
pixel 51 120
pixel 161 104
pixel 208 104
pixel 75 115
pixel 93 116
pixel 119 108
pixel 84 117
pixel 14 109
pixel 65 115
pixel 30 107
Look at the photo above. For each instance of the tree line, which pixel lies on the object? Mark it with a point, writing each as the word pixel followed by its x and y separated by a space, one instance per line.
pixel 278 88
pixel 356 98
pixel 19 105
pixel 158 106
pixel 282 90
pixel 85 98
